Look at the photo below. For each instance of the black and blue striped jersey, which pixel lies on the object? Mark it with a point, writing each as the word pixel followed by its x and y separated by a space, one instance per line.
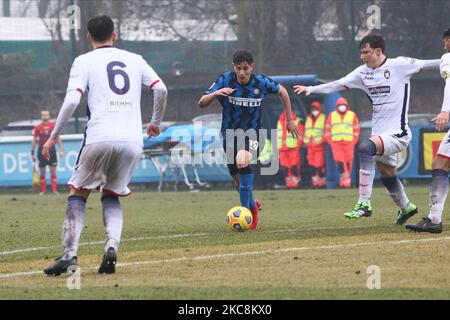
pixel 242 108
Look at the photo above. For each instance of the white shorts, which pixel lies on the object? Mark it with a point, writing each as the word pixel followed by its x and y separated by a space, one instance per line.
pixel 444 147
pixel 392 145
pixel 107 166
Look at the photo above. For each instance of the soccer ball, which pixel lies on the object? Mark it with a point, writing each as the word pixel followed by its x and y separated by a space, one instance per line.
pixel 239 218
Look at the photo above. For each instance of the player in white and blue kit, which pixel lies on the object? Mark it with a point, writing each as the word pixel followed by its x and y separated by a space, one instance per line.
pixel 112 146
pixel 441 163
pixel 387 84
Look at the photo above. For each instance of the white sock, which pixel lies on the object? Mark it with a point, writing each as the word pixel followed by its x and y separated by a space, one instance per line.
pixel 113 221
pixel 438 194
pixel 112 243
pixel 73 226
pixel 366 175
pixel 365 185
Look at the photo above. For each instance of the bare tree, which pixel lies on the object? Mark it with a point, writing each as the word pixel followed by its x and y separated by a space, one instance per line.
pixel 43 6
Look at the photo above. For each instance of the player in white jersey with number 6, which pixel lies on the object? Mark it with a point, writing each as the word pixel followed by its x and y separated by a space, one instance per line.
pixel 387 84
pixel 112 146
pixel 441 163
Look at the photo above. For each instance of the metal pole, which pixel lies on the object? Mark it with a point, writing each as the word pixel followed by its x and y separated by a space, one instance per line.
pixel 353 26
pixel 74 55
pixel 355 99
pixel 354 49
pixel 242 23
pixel 6 8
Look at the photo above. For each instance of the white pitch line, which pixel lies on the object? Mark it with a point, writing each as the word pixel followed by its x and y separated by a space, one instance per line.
pixel 317 229
pixel 172 236
pixel 250 253
pixel 18 274
pixel 169 236
pixel 3 253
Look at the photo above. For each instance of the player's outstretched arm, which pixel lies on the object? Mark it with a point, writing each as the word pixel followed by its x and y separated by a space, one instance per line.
pixel 441 120
pixel 430 64
pixel 352 80
pixel 411 66
pixel 159 102
pixel 33 146
pixel 60 149
pixel 320 89
pixel 159 107
pixel 71 102
pixel 207 99
pixel 291 126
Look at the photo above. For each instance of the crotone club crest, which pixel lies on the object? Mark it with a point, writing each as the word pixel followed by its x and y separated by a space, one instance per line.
pixel 387 74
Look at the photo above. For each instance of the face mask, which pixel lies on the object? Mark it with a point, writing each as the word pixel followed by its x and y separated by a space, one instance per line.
pixel 315 113
pixel 342 108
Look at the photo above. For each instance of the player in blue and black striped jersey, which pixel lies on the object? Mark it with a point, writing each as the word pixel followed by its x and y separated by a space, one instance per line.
pixel 241 94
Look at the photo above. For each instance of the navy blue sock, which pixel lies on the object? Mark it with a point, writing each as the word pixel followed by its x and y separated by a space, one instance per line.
pixel 396 191
pixel 246 187
pixel 367 151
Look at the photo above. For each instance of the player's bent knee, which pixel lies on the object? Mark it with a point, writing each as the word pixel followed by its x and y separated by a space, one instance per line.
pixel 232 169
pixel 107 196
pixel 242 164
pixel 386 171
pixel 243 159
pixel 367 147
pixel 245 170
pixel 440 163
pixel 80 192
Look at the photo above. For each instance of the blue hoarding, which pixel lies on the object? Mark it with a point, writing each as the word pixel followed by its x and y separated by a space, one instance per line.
pixel 16 167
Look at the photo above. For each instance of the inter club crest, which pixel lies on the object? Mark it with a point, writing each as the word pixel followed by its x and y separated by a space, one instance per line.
pixel 256 91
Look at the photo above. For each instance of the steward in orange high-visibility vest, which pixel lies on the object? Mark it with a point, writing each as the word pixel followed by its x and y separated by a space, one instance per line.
pixel 342 133
pixel 314 140
pixel 289 150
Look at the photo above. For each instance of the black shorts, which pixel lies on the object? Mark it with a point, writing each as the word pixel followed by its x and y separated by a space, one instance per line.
pixel 250 144
pixel 44 162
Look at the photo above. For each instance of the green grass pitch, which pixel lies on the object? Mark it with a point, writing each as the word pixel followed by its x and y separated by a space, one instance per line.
pixel 177 246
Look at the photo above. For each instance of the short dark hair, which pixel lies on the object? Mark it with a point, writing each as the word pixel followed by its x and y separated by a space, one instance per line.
pixel 242 56
pixel 100 28
pixel 375 41
pixel 446 33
